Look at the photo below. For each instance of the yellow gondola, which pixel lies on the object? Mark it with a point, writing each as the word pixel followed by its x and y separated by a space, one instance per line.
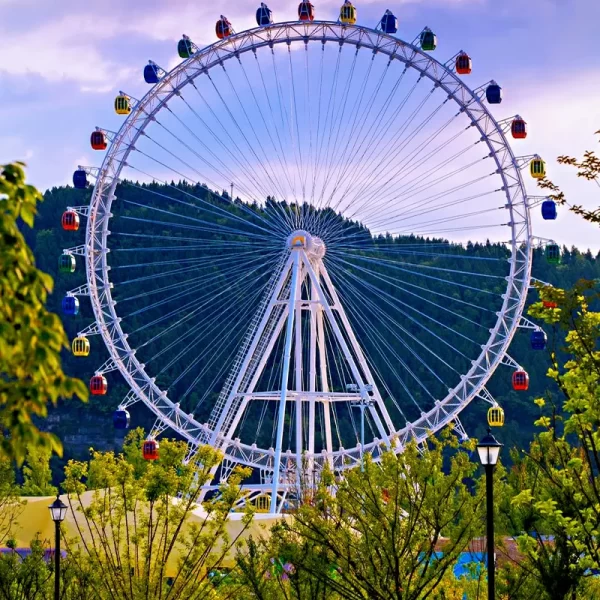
pixel 348 13
pixel 495 416
pixel 122 105
pixel 537 168
pixel 81 346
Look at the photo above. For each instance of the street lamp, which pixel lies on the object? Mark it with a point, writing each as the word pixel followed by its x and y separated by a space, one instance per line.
pixel 489 451
pixel 58 510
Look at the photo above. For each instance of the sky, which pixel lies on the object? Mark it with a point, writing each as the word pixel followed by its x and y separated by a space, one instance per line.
pixel 61 65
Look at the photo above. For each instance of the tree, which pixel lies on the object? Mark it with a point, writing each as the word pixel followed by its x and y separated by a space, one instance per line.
pixel 31 338
pixel 394 531
pixel 588 168
pixel 554 488
pixel 135 530
pixel 37 475
pixel 10 505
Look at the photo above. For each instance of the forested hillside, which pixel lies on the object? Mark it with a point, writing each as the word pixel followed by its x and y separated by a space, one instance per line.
pixel 79 426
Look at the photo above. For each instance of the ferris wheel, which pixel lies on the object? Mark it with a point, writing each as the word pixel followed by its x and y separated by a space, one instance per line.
pixel 284 229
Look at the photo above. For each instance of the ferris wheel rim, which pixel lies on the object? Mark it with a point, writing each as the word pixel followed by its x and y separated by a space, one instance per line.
pixel 96 248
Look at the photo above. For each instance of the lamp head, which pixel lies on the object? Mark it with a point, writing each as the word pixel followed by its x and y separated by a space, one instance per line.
pixel 58 510
pixel 489 449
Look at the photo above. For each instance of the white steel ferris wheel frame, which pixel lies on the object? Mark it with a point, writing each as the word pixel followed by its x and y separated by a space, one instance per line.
pixel 122 356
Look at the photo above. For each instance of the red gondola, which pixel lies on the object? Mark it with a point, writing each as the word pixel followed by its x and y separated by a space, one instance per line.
pixel 223 28
pixel 306 11
pixel 548 304
pixel 520 381
pixel 518 129
pixel 464 64
pixel 98 385
pixel 98 140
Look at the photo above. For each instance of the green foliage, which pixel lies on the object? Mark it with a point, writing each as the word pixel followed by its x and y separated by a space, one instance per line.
pixel 588 168
pixel 136 531
pixel 10 505
pixel 554 488
pixel 37 475
pixel 30 337
pixel 375 534
pixel 25 578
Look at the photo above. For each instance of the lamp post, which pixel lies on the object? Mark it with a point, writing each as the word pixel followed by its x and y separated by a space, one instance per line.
pixel 58 510
pixel 489 450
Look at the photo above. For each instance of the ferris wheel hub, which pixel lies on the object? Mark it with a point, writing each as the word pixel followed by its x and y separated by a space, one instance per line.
pixel 313 246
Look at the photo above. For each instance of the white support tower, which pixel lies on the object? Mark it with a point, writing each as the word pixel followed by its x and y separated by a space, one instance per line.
pixel 302 299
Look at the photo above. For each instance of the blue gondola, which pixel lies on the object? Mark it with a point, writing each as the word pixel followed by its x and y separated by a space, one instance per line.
pixel 70 306
pixel 264 15
pixel 539 339
pixel 121 419
pixel 80 179
pixel 549 210
pixel 151 73
pixel 389 23
pixel 493 93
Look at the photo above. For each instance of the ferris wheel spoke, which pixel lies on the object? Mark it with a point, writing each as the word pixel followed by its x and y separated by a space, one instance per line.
pixel 395 304
pixel 278 148
pixel 413 250
pixel 406 169
pixel 420 297
pixel 225 303
pixel 329 111
pixel 215 295
pixel 337 123
pixel 414 193
pixel 407 215
pixel 378 173
pixel 296 140
pixel 206 276
pixel 188 228
pixel 271 176
pixel 273 126
pixel 392 325
pixel 232 137
pixel 241 164
pixel 373 135
pixel 359 124
pixel 348 131
pixel 376 133
pixel 201 284
pixel 225 177
pixel 455 217
pixel 397 264
pixel 447 298
pixel 385 358
pixel 382 344
pixel 209 349
pixel 373 166
pixel 216 350
pixel 204 205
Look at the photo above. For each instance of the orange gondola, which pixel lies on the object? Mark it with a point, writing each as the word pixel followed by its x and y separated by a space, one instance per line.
pixel 70 221
pixel 150 450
